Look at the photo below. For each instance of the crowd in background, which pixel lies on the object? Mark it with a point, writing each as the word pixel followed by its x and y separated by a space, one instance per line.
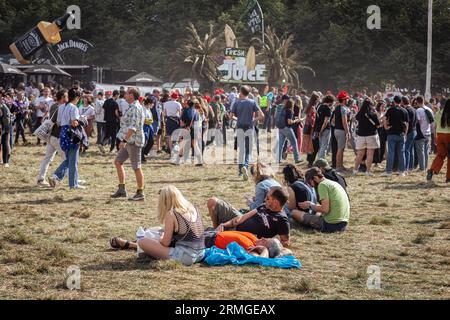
pixel 403 130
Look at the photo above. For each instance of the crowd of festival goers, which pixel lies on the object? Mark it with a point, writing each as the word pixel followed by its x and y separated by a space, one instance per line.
pixel 404 130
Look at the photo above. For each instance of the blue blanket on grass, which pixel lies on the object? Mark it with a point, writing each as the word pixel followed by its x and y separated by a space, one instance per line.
pixel 236 255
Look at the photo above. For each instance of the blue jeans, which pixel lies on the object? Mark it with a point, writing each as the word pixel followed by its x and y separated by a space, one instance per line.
pixel 69 165
pixel 409 150
pixel 396 146
pixel 245 146
pixel 422 146
pixel 283 134
pixel 324 144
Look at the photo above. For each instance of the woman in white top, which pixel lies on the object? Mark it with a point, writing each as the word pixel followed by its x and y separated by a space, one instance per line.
pixel 88 112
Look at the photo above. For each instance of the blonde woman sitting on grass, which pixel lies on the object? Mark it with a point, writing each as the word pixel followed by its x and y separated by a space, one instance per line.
pixel 182 225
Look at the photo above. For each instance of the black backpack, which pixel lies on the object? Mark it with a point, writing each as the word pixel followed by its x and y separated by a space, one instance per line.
pixel 429 115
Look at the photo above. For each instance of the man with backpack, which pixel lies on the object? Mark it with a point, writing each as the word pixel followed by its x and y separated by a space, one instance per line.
pixel 425 128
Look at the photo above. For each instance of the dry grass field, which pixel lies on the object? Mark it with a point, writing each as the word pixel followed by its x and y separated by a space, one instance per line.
pixel 400 225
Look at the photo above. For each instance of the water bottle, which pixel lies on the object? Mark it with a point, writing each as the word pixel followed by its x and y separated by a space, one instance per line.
pixel 140 234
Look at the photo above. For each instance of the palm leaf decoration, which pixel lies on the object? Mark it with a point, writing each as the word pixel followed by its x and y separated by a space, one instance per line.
pixel 197 57
pixel 281 59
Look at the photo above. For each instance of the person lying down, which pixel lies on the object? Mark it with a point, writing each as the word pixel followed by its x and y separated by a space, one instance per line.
pixel 266 248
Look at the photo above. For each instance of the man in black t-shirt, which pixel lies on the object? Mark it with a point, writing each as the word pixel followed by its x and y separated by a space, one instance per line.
pixel 111 108
pixel 396 125
pixel 411 136
pixel 267 221
pixel 322 125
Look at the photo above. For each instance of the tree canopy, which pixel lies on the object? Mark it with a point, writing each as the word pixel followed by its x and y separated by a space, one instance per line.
pixel 330 36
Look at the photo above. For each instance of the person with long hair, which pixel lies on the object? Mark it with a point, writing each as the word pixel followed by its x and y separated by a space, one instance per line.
pixel 182 225
pixel 367 140
pixel 286 131
pixel 378 156
pixel 264 178
pixel 299 191
pixel 442 118
pixel 308 143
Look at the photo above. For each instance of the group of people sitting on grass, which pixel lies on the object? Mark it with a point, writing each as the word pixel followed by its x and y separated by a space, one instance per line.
pixel 316 199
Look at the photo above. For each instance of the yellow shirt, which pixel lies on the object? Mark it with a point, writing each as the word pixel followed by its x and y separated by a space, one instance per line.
pixel 437 118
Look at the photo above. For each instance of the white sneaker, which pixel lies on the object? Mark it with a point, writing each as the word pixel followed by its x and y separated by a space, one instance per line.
pixel 6 165
pixel 79 188
pixel 369 174
pixel 43 183
pixel 82 181
pixel 386 174
pixel 244 172
pixel 402 174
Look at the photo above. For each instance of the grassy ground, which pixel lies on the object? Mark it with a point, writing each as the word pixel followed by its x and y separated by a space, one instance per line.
pixel 400 225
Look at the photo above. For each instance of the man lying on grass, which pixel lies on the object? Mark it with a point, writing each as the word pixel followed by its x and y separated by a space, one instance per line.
pixel 266 221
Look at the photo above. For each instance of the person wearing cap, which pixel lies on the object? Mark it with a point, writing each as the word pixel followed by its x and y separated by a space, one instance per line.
pixel 111 116
pixel 341 131
pixel 396 125
pixel 172 112
pixel 330 173
pixel 332 211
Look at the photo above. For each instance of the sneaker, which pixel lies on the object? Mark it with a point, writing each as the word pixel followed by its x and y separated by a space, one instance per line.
pixel 79 188
pixel 102 150
pixel 402 174
pixel 120 193
pixel 430 174
pixel 244 172
pixel 355 173
pixel 52 181
pixel 82 181
pixel 386 174
pixel 369 174
pixel 137 197
pixel 6 165
pixel 299 161
pixel 43 183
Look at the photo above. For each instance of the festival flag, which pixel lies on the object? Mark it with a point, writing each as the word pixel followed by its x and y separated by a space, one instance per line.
pixel 255 18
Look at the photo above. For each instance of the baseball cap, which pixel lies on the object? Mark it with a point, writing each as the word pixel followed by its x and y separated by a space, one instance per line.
pixel 343 95
pixel 322 163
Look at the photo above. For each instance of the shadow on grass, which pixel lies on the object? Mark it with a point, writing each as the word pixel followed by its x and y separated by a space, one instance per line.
pixel 28 190
pixel 54 200
pixel 133 263
pixel 412 186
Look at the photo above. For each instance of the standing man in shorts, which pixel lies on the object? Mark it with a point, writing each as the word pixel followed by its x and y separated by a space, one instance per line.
pixel 132 139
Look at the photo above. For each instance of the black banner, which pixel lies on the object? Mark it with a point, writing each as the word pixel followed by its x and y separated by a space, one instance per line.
pixel 255 17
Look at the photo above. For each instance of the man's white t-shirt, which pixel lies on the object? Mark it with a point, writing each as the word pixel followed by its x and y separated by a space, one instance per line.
pixel 45 103
pixel 88 112
pixel 173 108
pixel 123 106
pixel 99 111
pixel 425 126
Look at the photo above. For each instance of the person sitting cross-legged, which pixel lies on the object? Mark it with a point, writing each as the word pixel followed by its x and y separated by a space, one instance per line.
pixel 266 221
pixel 333 211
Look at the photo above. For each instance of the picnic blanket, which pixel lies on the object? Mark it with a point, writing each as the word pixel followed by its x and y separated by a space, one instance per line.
pixel 236 255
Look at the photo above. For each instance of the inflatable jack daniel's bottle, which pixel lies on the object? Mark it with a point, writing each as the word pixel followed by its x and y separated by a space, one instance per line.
pixel 36 38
